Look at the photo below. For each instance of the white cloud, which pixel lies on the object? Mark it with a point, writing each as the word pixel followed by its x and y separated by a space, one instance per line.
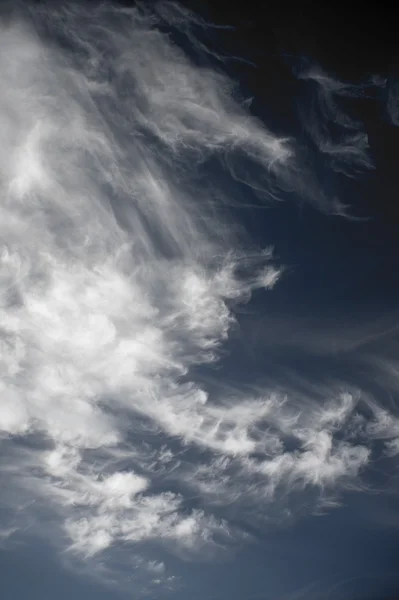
pixel 120 275
pixel 103 311
pixel 347 152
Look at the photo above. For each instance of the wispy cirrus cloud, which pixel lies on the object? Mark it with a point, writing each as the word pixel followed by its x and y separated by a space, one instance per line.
pixel 121 268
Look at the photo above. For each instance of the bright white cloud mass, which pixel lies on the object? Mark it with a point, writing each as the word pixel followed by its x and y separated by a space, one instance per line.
pixel 122 268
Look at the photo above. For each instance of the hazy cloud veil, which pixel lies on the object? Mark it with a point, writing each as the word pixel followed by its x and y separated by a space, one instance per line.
pixel 122 155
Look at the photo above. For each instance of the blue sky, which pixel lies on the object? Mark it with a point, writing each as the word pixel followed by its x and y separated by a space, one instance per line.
pixel 199 322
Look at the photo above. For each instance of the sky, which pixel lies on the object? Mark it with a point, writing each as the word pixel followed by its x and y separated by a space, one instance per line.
pixel 199 324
